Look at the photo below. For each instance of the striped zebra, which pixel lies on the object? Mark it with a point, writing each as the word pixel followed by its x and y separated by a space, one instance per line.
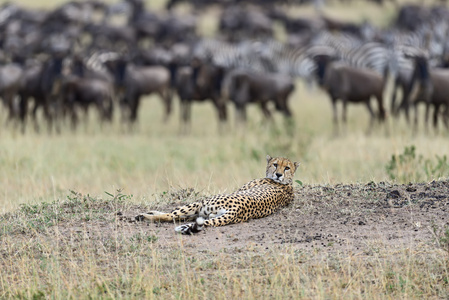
pixel 340 41
pixel 371 55
pixel 272 56
pixel 95 63
pixel 357 53
pixel 223 54
pixel 285 59
pixel 259 56
pixel 276 57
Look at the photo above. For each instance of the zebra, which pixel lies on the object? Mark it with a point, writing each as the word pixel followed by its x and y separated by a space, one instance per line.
pixel 247 55
pixel 357 53
pixel 272 56
pixel 340 41
pixel 372 55
pixel 221 54
pixel 96 60
pixel 285 59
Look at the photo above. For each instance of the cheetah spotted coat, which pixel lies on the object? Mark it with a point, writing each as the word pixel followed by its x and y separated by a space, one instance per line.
pixel 256 199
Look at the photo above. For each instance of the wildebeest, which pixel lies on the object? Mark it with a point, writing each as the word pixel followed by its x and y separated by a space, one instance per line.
pixel 111 36
pixel 244 87
pixel 239 22
pixel 42 82
pixel 10 76
pixel 135 81
pixel 430 86
pixel 81 90
pixel 349 84
pixel 406 65
pixel 401 83
pixel 200 82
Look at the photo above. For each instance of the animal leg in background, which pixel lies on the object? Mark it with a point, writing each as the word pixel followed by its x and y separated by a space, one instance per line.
pixel 372 116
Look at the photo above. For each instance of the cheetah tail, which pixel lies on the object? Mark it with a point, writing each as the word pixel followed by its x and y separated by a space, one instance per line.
pixel 191 228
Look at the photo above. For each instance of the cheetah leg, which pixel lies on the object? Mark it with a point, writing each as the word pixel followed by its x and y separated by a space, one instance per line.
pixel 189 211
pixel 191 228
pixel 222 219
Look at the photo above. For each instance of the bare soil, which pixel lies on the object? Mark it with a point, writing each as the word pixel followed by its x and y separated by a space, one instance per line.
pixel 353 217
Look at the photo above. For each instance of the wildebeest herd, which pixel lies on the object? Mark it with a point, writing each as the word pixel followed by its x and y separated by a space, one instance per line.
pixel 92 54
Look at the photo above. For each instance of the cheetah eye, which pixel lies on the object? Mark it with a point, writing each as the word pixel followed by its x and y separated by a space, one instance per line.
pixel 287 168
pixel 275 165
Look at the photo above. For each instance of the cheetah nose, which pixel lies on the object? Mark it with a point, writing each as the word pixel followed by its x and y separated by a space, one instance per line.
pixel 278 175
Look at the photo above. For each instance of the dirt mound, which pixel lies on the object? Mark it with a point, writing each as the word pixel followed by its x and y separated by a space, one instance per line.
pixel 354 217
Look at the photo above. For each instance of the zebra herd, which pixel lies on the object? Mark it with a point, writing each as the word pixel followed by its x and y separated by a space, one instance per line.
pixel 66 74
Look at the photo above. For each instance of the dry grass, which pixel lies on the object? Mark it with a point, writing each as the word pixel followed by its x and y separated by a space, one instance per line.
pixel 78 248
pixel 126 268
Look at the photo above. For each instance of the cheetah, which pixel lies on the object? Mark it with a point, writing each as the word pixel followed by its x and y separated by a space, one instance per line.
pixel 256 199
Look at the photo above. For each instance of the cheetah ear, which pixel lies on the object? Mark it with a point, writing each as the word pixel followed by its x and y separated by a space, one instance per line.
pixel 268 158
pixel 296 165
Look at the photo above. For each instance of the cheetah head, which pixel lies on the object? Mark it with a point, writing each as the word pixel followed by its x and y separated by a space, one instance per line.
pixel 281 169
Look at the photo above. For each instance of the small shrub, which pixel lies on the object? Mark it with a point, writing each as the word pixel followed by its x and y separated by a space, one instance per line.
pixel 118 196
pixel 408 166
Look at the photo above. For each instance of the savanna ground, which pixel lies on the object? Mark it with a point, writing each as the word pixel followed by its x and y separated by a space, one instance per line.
pixel 369 220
